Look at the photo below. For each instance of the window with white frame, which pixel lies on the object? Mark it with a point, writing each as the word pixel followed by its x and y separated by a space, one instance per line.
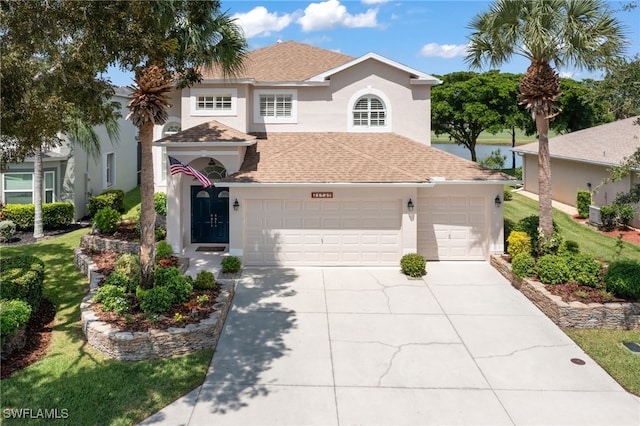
pixel 214 102
pixel 369 111
pixel 108 170
pixel 18 188
pixel 275 106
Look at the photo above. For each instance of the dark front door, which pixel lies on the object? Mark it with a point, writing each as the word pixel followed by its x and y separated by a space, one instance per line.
pixel 209 215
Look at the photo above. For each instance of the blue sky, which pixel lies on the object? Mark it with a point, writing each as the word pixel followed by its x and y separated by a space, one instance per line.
pixel 427 35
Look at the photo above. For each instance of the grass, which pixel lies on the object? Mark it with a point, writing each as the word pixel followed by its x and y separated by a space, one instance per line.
pixel 131 204
pixel 603 247
pixel 604 346
pixel 72 375
pixel 501 138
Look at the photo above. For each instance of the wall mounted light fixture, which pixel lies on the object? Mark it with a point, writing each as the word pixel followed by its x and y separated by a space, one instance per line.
pixel 410 205
pixel 236 205
pixel 498 201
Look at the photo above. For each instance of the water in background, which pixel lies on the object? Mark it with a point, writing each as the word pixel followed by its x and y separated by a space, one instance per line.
pixel 482 151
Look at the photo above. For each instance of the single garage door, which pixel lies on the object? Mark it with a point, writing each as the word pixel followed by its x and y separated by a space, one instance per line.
pixel 322 232
pixel 452 228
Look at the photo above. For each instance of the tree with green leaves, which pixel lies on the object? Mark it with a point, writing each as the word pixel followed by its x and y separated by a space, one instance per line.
pixel 549 33
pixel 49 88
pixel 468 103
pixel 167 44
pixel 620 88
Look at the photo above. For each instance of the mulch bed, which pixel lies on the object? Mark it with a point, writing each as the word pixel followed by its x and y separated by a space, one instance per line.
pixel 573 292
pixel 26 237
pixel 629 235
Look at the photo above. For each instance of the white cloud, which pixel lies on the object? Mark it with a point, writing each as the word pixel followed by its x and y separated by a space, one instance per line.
pixel 374 1
pixel 568 74
pixel 443 50
pixel 259 22
pixel 331 14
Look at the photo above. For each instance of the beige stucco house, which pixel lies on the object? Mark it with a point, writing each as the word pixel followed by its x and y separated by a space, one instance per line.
pixel 70 174
pixel 581 161
pixel 320 158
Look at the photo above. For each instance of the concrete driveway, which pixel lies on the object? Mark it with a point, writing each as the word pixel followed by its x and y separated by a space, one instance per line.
pixel 368 346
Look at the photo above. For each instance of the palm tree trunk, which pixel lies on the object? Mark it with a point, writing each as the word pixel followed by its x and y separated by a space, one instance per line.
pixel 544 175
pixel 38 231
pixel 148 213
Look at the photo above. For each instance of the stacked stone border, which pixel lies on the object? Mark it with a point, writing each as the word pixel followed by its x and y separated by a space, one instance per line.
pixel 572 314
pixel 153 344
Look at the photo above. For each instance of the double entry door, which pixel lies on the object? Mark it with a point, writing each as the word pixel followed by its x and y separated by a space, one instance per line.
pixel 209 215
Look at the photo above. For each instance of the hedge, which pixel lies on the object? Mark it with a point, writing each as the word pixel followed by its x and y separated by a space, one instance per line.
pixel 54 215
pixel 113 198
pixel 14 314
pixel 22 278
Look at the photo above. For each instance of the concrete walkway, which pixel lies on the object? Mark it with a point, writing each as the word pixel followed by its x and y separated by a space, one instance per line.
pixel 367 346
pixel 570 210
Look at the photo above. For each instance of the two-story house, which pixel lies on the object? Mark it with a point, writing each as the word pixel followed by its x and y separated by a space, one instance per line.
pixel 70 174
pixel 320 158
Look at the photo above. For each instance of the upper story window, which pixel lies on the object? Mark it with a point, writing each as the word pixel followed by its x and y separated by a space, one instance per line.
pixel 171 129
pixel 369 111
pixel 214 102
pixel 275 106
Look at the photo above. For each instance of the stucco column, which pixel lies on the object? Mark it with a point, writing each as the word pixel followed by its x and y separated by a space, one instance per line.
pixel 174 213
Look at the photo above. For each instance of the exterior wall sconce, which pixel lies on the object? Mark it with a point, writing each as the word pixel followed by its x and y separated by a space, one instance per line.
pixel 410 205
pixel 498 201
pixel 236 205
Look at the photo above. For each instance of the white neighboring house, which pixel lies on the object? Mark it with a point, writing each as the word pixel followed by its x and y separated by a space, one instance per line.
pixel 70 174
pixel 320 158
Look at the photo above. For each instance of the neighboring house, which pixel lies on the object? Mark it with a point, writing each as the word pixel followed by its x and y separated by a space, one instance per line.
pixel 70 174
pixel 581 161
pixel 320 158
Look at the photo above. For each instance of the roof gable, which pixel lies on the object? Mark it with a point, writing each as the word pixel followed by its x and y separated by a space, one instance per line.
pixel 212 131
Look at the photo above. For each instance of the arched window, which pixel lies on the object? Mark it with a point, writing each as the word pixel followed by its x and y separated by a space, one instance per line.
pixel 214 170
pixel 369 111
pixel 171 129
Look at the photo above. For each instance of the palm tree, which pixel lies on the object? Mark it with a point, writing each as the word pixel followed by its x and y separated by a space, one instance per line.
pixel 549 33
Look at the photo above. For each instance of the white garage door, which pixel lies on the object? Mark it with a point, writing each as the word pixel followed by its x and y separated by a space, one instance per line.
pixel 452 228
pixel 322 232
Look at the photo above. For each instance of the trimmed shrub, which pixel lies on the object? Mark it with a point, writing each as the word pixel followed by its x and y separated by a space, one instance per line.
pixel 21 278
pixel 163 250
pixel 625 214
pixel 523 265
pixel 113 298
pixel 156 300
pixel 623 279
pixel 553 269
pixel 583 203
pixel 205 280
pixel 584 269
pixel 413 264
pixel 7 231
pixel 507 195
pixel 127 264
pixel 21 214
pixel 608 217
pixel 179 285
pixel 231 264
pixel 57 215
pixel 530 225
pixel 508 225
pixel 106 220
pixel 518 242
pixel 13 315
pixel 160 203
pixel 113 198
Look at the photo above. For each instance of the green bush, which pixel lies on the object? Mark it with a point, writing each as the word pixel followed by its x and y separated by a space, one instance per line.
pixel 113 198
pixel 106 220
pixel 160 233
pixel 553 269
pixel 625 214
pixel 583 203
pixel 127 264
pixel 179 286
pixel 163 250
pixel 569 246
pixel 13 315
pixel 231 264
pixel 530 225
pixel 54 215
pixel 113 298
pixel 7 231
pixel 160 203
pixel 508 225
pixel 20 214
pixel 622 278
pixel 205 280
pixel 518 242
pixel 584 269
pixel 117 279
pixel 22 278
pixel 507 195
pixel 156 300
pixel 523 265
pixel 413 265
pixel 608 217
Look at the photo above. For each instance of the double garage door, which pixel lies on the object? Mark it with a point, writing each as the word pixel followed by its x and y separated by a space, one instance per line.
pixel 452 228
pixel 323 232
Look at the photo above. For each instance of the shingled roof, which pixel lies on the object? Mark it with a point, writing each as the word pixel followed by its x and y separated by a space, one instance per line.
pixel 212 131
pixel 608 144
pixel 353 158
pixel 286 61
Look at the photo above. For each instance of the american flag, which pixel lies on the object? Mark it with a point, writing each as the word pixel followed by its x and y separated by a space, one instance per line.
pixel 176 166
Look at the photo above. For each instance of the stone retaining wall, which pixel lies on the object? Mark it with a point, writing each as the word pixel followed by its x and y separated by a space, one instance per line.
pixel 572 314
pixel 98 243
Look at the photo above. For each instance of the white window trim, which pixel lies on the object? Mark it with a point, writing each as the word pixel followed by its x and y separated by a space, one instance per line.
pixel 45 189
pixel 294 106
pixel 105 159
pixel 193 102
pixel 44 186
pixel 369 91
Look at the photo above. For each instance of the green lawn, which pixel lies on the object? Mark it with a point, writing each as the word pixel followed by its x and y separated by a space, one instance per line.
pixel 94 389
pixel 485 138
pixel 132 204
pixel 601 246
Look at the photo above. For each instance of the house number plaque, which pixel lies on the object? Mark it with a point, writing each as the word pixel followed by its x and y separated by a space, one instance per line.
pixel 322 195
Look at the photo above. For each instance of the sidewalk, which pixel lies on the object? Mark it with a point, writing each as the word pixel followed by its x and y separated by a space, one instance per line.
pixel 570 210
